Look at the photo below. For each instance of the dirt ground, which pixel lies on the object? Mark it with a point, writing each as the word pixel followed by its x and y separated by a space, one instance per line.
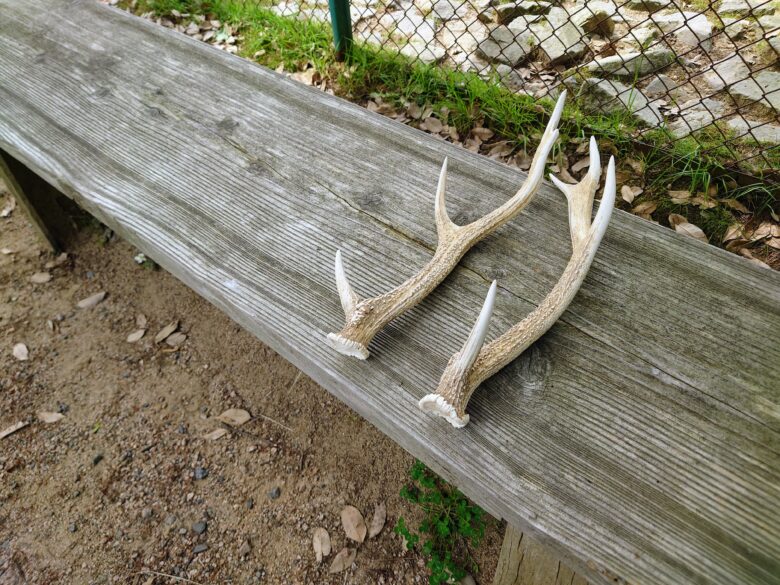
pixel 118 489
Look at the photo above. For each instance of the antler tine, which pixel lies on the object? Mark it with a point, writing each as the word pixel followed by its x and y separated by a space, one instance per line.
pixel 365 317
pixel 461 362
pixel 458 384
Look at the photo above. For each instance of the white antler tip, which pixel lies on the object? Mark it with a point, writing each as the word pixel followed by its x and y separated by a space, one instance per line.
pixel 477 336
pixel 594 170
pixel 436 404
pixel 564 187
pixel 347 346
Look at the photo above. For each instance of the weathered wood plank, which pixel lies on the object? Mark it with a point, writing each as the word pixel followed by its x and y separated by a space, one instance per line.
pixel 640 435
pixel 525 562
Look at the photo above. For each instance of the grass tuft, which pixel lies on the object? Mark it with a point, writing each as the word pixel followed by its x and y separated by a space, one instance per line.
pixel 700 163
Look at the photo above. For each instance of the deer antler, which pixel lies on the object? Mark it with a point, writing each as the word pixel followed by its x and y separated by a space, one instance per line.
pixel 366 317
pixel 471 366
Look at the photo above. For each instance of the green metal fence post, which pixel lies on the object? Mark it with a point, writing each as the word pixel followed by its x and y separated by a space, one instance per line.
pixel 342 27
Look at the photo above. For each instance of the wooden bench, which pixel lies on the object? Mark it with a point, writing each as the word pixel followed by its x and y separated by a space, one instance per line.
pixel 639 437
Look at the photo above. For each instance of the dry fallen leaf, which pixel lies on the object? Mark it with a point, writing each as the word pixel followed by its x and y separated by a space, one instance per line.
pixel 500 149
pixel 40 278
pixel 635 165
pixel 91 301
pixel 483 134
pixel 321 543
pixel 734 232
pixel 703 202
pixel 378 521
pixel 414 111
pixel 343 560
pixel 308 77
pixel 215 434
pixel 680 197
pixel 353 523
pixel 564 175
pixel 136 335
pixel 735 205
pixel 472 144
pixel 645 208
pixel 763 231
pixel 176 339
pixel 522 160
pixel 675 219
pixel 12 429
pixel 234 417
pixel 20 352
pixel 50 417
pixel 774 243
pixel 691 230
pixel 166 331
pixel 760 263
pixel 627 193
pixel 58 261
pixel 9 207
pixel 580 164
pixel 433 125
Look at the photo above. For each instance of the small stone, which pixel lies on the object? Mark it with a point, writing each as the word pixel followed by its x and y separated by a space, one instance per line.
pixel 695 115
pixel 746 7
pixel 762 91
pixel 690 29
pixel 274 493
pixel 201 473
pixel 759 131
pixel 250 503
pixel 91 301
pixel 245 549
pixel 146 513
pixel 72 527
pixel 170 519
pixel 648 5
pixel 97 459
pixel 631 65
pixel 643 35
pixel 199 527
pixel 40 278
pixel 200 548
pixel 660 85
pixel 506 12
pixel 595 17
pixel 560 39
pixel 606 96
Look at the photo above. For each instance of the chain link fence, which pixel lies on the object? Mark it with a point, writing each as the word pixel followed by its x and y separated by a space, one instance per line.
pixel 703 69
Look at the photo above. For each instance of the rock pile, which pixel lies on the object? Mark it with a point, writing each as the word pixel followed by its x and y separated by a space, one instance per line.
pixel 659 61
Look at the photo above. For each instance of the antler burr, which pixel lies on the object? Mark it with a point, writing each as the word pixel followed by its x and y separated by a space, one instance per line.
pixel 366 317
pixel 474 363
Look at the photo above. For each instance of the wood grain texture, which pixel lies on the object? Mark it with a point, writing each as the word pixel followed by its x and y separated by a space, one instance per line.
pixel 525 562
pixel 639 435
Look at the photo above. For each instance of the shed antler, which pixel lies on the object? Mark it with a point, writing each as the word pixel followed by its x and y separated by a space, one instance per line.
pixel 474 364
pixel 366 317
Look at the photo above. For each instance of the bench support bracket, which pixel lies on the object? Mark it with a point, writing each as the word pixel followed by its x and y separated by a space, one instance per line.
pixel 524 561
pixel 38 199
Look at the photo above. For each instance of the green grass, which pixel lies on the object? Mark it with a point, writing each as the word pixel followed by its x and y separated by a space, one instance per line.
pixel 696 164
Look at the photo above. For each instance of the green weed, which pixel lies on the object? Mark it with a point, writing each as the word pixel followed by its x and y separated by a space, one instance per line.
pixel 451 524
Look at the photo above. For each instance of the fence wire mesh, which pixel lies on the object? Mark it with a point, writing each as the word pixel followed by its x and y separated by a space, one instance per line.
pixel 699 69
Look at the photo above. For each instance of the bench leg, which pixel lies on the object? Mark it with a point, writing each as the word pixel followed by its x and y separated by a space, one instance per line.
pixel 38 199
pixel 525 562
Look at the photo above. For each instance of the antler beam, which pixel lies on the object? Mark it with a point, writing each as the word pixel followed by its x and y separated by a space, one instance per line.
pixel 473 364
pixel 366 317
